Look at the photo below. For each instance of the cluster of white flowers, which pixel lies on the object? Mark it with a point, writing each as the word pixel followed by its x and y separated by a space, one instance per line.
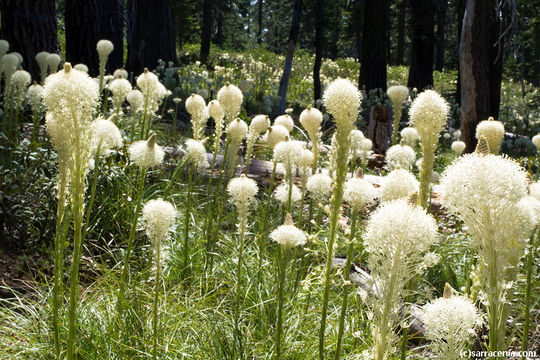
pixel 146 153
pixel 319 186
pixel 237 130
pixel 311 119
pixel 152 90
pixel 398 184
pixel 158 217
pixel 342 100
pixel 41 59
pixel 356 139
pixel 120 88
pixel 216 112
pixel 34 96
pixel 451 324
pixel 53 61
pixel 359 193
pixel 493 131
pixel 286 121
pixel 458 147
pixel 120 74
pixel 243 190
pixel 275 135
pixel 400 155
pixel 81 67
pixel 398 94
pixel 259 124
pixel 230 97
pixel 106 136
pixel 410 136
pixel 196 153
pixel 196 107
pixel 289 153
pixel 281 193
pixel 288 235
pixel 428 113
pixel 305 162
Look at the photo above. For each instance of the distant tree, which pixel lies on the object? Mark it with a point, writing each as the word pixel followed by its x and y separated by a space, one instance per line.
pixel 30 27
pixel 151 34
pixel 441 11
pixel 319 44
pixel 293 38
pixel 480 62
pixel 373 58
pixel 400 48
pixel 422 39
pixel 206 33
pixel 259 21
pixel 86 23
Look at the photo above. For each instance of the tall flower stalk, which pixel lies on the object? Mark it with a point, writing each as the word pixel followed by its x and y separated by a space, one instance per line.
pixel 259 124
pixel 71 97
pixel 342 100
pixel 428 115
pixel 236 132
pixel 397 94
pixel 242 191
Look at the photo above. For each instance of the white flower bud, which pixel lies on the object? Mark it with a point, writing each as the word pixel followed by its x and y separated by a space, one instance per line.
pixel 288 235
pixel 286 121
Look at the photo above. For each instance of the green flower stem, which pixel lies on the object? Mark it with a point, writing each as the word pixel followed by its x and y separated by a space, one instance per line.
pixel 335 208
pixel 126 262
pixel 242 225
pixel 233 154
pixel 529 267
pixel 263 223
pixel 155 317
pixel 282 264
pixel 290 182
pixel 144 132
pixel 249 151
pixel 315 141
pixel 347 286
pixel 174 175
pixel 397 116
pixel 93 187
pixel 187 222
pixel 425 175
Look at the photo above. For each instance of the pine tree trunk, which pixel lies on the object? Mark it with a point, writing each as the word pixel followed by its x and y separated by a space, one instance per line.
pixel 319 43
pixel 29 27
pixel 260 21
pixel 206 33
pixel 293 38
pixel 400 50
pixel 112 28
pixel 460 9
pixel 151 34
pixel 421 58
pixel 373 57
pixel 441 24
pixel 480 63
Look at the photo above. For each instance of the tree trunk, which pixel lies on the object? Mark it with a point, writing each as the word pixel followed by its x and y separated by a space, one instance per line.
pixel 29 27
pixel 112 28
pixel 82 33
pixel 260 21
pixel 151 34
pixel 400 51
pixel 421 58
pixel 373 57
pixel 206 32
pixel 293 37
pixel 441 24
pixel 319 43
pixel 460 9
pixel 480 63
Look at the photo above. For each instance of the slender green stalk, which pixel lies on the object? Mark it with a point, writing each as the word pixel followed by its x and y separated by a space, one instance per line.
pixel 155 317
pixel 290 182
pixel 242 225
pixel 126 261
pixel 262 227
pixel 347 286
pixel 187 222
pixel 282 263
pixel 527 317
pixel 335 208
pixel 92 191
pixel 397 117
pixel 425 175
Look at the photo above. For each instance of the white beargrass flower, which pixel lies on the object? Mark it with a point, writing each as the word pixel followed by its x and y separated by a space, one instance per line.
pixel 196 152
pixel 397 94
pixel 286 121
pixel 536 141
pixel 104 49
pixel 494 133
pixel 196 107
pixel 428 114
pixel 135 99
pixel 120 88
pixel 4 47
pixel 152 90
pixel 81 67
pixel 259 124
pixel 410 136
pixel 215 110
pixel 34 95
pixel 158 217
pixel 288 235
pixel 400 155
pixel 242 190
pixel 534 190
pixel 319 186
pixel 275 135
pixel 106 136
pixel 304 163
pixel 281 193
pixel 342 100
pixel 237 130
pixel 311 119
pixel 359 193
pixel 9 66
pixel 120 74
pixel 146 153
pixel 366 145
pixel 288 152
pixel 53 61
pixel 398 184
pixel 484 191
pixel 356 137
pixel 458 147
pixel 41 59
pixel 230 97
pixel 451 325
pixel 20 81
pixel 397 237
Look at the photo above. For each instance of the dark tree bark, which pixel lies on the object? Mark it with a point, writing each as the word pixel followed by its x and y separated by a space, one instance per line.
pixel 82 33
pixel 260 21
pixel 480 63
pixel 442 6
pixel 29 27
pixel 373 57
pixel 460 8
pixel 319 43
pixel 206 33
pixel 293 38
pixel 87 22
pixel 220 37
pixel 421 58
pixel 112 28
pixel 400 50
pixel 151 34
